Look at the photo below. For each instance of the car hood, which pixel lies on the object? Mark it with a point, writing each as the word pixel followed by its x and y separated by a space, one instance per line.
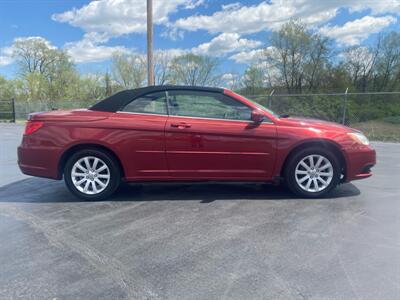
pixel 314 123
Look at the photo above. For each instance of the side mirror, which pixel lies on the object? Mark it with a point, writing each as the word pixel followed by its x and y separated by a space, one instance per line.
pixel 257 116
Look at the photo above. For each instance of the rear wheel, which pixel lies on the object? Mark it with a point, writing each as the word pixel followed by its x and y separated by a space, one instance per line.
pixel 312 172
pixel 92 174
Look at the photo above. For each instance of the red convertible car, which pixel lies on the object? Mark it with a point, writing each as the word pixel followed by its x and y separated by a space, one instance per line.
pixel 180 133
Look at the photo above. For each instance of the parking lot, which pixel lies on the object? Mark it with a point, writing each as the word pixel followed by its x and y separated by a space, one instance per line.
pixel 199 241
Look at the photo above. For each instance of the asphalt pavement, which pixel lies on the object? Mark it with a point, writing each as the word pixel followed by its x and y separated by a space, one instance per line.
pixel 199 241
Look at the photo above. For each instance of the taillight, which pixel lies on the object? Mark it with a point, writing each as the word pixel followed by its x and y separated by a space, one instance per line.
pixel 32 126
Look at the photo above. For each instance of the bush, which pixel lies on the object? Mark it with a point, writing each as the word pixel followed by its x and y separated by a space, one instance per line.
pixel 392 120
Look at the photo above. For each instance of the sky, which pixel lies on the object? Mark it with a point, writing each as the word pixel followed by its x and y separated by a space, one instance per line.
pixel 233 31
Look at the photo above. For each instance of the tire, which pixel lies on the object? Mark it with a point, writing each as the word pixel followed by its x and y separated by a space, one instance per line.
pixel 322 175
pixel 100 180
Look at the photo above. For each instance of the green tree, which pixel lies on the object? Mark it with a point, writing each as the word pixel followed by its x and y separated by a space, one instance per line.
pixel 46 71
pixel 7 89
pixel 298 57
pixel 108 85
pixel 91 88
pixel 253 81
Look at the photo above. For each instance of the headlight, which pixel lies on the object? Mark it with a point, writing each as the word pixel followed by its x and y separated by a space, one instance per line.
pixel 359 138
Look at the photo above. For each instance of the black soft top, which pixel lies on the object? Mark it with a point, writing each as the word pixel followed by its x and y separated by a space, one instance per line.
pixel 118 101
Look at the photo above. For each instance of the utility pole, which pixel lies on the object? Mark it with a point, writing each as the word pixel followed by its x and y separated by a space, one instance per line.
pixel 150 66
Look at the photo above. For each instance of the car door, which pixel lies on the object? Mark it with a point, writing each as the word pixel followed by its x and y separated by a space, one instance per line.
pixel 210 135
pixel 139 135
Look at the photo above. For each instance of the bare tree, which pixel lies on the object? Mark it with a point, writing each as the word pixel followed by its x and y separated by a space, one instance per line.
pixel 129 70
pixel 360 63
pixel 190 69
pixel 253 80
pixel 162 67
pixel 387 73
pixel 34 55
pixel 231 80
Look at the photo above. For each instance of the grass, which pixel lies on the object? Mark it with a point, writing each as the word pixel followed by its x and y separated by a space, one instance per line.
pixel 392 120
pixel 380 130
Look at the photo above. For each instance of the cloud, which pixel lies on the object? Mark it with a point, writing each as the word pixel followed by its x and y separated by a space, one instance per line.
pixel 231 6
pixel 227 76
pixel 173 33
pixel 171 53
pixel 256 57
pixel 6 56
pixel 193 4
pixel 270 15
pixel 225 43
pixel 220 45
pixel 90 49
pixel 102 20
pixel 248 57
pixel 255 18
pixel 377 7
pixel 230 80
pixel 118 17
pixel 354 32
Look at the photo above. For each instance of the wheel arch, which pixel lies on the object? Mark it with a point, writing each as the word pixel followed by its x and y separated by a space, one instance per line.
pixel 85 146
pixel 326 144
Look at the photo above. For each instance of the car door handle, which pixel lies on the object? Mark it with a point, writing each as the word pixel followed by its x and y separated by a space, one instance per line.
pixel 181 125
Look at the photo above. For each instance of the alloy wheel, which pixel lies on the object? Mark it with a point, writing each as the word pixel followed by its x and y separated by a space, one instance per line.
pixel 90 175
pixel 314 173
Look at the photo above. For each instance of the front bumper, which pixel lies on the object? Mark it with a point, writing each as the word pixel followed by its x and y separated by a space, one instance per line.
pixel 360 160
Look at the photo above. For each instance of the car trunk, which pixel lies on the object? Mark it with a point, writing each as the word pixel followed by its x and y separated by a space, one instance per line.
pixel 76 115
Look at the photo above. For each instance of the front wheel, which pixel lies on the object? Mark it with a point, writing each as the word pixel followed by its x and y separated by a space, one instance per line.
pixel 312 172
pixel 92 174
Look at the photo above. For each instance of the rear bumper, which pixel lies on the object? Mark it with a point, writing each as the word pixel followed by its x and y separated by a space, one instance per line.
pixel 359 163
pixel 38 161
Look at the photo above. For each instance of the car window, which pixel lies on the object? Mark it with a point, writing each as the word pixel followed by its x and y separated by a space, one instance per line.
pixel 153 103
pixel 207 105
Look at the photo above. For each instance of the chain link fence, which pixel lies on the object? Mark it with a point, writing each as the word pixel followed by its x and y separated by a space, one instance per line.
pixel 12 110
pixel 24 108
pixel 7 110
pixel 376 114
